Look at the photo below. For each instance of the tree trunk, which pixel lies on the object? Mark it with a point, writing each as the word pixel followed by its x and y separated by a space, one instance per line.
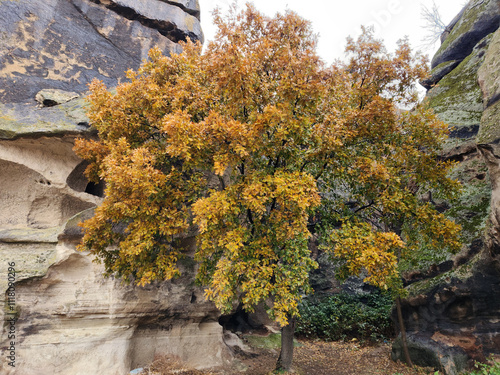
pixel 403 333
pixel 286 353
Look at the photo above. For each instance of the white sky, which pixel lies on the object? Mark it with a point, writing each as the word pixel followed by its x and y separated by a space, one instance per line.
pixel 336 20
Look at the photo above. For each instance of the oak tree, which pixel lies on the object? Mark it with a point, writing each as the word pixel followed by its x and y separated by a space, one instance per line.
pixel 257 145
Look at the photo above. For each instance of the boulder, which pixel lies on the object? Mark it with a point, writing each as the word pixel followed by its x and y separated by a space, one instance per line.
pixel 430 352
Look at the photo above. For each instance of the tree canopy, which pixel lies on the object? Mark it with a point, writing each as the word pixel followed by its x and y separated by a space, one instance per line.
pixel 257 145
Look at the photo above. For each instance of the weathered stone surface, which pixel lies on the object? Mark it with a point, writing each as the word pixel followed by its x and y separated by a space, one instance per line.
pixel 72 320
pixel 452 319
pixel 72 232
pixel 489 73
pixel 52 97
pixel 480 18
pixel 489 131
pixel 34 191
pixel 491 154
pixel 64 44
pixel 459 303
pixel 66 309
pixel 48 235
pixel 32 259
pixel 439 72
pixel 190 6
pixel 170 20
pixel 430 352
pixel 472 208
pixel 457 98
pixel 17 119
pixel 452 24
pixel 453 312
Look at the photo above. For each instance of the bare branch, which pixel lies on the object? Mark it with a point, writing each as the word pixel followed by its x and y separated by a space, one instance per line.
pixel 433 24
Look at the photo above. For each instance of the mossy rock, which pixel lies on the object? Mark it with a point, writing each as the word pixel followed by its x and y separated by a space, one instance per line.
pixel 18 120
pixel 489 77
pixel 472 208
pixel 29 235
pixel 31 260
pixel 427 353
pixel 271 341
pixel 489 73
pixel 458 99
pixel 481 18
pixel 439 72
pixel 489 130
pixel 426 286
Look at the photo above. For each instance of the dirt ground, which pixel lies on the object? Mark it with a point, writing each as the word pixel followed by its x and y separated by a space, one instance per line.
pixel 310 358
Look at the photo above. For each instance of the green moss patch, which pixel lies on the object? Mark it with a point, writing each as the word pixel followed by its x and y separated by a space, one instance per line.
pixel 472 208
pixel 458 99
pixel 489 130
pixel 23 120
pixel 462 28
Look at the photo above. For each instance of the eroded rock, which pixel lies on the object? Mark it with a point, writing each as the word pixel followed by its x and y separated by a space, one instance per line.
pixel 452 314
pixel 457 98
pixel 96 325
pixel 479 18
pixel 70 318
pixel 63 45
pixel 52 97
pixel 169 18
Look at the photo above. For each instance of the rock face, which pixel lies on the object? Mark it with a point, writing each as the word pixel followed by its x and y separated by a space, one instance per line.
pixel 479 18
pixel 68 318
pixel 453 312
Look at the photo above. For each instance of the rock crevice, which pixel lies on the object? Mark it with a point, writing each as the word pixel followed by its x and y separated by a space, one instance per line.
pixel 178 28
pixel 453 312
pixel 70 318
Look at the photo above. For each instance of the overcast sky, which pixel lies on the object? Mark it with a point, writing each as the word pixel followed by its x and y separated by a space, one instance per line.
pixel 334 20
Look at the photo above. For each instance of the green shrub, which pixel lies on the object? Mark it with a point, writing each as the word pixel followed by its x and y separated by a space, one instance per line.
pixel 486 369
pixel 342 316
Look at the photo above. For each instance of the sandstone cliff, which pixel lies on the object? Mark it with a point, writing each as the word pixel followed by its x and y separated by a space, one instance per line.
pixel 454 318
pixel 70 319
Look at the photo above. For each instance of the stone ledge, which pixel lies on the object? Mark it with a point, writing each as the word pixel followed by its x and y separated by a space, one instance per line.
pixel 30 235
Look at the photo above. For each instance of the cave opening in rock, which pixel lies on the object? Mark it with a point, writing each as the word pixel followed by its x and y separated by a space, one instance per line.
pixel 77 181
pixel 95 189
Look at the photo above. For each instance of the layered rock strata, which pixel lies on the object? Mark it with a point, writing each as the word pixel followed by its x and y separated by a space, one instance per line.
pixel 69 319
pixel 453 312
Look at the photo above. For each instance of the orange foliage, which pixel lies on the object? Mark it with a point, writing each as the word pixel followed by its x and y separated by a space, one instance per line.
pixel 258 144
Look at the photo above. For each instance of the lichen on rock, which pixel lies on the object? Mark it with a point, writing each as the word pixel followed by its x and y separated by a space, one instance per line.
pixel 66 309
pixel 452 313
pixel 457 98
pixel 480 18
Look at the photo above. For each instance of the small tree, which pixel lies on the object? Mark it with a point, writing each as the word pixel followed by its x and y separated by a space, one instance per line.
pixel 258 145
